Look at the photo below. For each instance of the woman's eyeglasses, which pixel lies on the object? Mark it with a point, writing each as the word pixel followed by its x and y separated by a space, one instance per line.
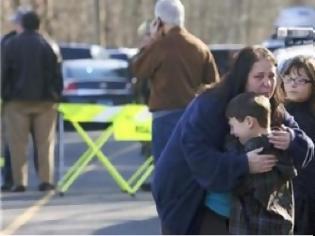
pixel 297 80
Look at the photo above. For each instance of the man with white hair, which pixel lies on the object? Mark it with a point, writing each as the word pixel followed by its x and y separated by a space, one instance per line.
pixel 177 64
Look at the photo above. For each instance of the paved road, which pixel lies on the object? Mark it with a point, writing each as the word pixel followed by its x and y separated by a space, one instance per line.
pixel 93 205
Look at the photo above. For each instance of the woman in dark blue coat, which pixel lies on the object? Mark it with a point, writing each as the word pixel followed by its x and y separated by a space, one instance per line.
pixel 299 84
pixel 194 164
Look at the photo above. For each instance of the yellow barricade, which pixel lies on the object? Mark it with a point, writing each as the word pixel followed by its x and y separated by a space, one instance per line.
pixel 133 124
pixel 127 123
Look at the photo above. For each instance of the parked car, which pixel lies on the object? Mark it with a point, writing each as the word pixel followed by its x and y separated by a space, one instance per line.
pixel 223 55
pixel 105 81
pixel 121 53
pixel 293 16
pixel 272 43
pixel 70 51
pixel 298 41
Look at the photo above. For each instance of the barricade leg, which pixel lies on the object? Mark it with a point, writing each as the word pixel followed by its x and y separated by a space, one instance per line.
pixel 143 178
pixel 64 186
pixel 76 169
pixel 140 170
pixel 121 182
pixel 131 186
pixel 1 161
pixel 87 154
pixel 60 145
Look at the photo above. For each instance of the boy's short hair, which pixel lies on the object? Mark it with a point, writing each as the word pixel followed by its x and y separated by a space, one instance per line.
pixel 250 104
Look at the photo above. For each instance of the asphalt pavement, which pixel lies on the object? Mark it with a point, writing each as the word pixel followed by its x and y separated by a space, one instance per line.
pixel 93 205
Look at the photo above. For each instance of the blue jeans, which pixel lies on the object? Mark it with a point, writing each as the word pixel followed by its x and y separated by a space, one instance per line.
pixel 162 129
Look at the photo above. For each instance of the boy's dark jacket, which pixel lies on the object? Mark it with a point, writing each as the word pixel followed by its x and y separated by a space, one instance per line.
pixel 264 184
pixel 193 162
pixel 265 197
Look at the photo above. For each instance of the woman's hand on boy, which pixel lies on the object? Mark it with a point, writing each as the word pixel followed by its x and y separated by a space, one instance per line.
pixel 280 139
pixel 260 163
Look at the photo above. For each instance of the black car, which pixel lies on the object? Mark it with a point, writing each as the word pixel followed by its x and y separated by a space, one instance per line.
pixel 223 55
pixel 70 51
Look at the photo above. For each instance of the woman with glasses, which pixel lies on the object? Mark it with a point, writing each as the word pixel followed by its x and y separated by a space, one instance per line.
pixel 299 84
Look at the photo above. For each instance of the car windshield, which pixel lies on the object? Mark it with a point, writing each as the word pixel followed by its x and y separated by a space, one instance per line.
pixel 94 73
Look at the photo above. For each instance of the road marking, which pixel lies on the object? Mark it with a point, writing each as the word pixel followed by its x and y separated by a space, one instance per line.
pixel 26 215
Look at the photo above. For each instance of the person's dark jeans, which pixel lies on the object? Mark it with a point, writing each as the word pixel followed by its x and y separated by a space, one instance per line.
pixel 162 129
pixel 304 212
pixel 213 224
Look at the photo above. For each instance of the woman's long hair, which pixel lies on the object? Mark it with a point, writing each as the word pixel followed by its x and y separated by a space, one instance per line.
pixel 306 63
pixel 235 80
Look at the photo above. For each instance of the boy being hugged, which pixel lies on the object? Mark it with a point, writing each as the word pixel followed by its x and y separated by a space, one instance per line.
pixel 262 203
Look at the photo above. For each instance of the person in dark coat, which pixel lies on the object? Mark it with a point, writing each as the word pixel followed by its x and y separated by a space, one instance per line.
pixel 17 23
pixel 31 90
pixel 194 163
pixel 6 170
pixel 299 85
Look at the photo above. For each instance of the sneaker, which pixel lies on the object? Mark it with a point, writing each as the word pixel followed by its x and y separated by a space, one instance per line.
pixel 19 189
pixel 46 187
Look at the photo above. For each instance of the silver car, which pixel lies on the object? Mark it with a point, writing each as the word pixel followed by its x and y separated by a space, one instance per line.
pixel 97 81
